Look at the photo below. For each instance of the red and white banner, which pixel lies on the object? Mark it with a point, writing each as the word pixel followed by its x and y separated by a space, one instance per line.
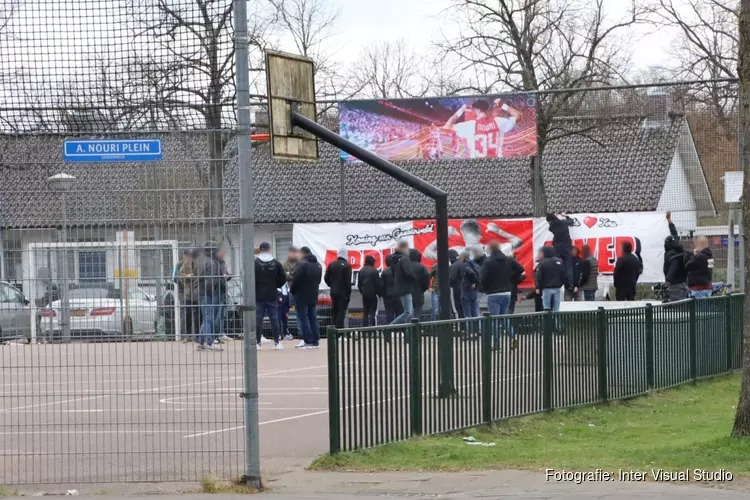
pixel 379 240
pixel 604 234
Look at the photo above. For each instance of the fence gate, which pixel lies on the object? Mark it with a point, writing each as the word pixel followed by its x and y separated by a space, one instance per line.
pixel 118 202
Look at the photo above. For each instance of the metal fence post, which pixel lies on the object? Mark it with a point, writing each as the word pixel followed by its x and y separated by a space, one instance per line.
pixel 728 330
pixel 650 346
pixel 415 377
pixel 247 236
pixel 547 361
pixel 693 339
pixel 487 369
pixel 334 394
pixel 602 358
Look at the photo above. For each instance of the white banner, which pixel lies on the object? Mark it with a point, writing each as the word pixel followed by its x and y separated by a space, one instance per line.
pixel 604 233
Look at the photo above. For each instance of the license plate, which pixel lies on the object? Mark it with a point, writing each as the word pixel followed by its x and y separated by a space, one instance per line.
pixel 78 312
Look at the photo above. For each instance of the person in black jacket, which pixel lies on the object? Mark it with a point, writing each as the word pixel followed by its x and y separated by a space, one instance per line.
pixel 421 284
pixel 550 277
pixel 305 286
pixel 627 270
pixel 672 245
pixel 676 275
pixel 212 290
pixel 471 283
pixel 368 283
pixel 560 229
pixel 339 278
pixel 404 278
pixel 496 276
pixel 516 280
pixel 391 300
pixel 455 279
pixel 700 269
pixel 269 277
pixel 574 290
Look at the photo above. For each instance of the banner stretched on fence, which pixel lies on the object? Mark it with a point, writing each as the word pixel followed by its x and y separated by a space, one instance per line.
pixel 380 240
pixel 496 126
pixel 605 232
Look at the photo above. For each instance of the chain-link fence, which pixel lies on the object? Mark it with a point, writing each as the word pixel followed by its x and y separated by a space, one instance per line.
pixel 108 264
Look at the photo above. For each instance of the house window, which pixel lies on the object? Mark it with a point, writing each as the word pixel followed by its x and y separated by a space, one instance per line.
pixel 12 260
pixel 281 244
pixel 92 266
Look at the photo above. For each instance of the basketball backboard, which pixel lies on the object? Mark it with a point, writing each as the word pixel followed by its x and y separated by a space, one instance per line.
pixel 289 80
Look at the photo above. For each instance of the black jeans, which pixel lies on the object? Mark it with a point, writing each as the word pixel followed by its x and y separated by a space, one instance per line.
pixel 191 320
pixel 370 306
pixel 340 306
pixel 393 309
pixel 457 301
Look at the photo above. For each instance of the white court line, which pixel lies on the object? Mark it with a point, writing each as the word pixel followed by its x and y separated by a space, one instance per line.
pixel 142 391
pixel 306 415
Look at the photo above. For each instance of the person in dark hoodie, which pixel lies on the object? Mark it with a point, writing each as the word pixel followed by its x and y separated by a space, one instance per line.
pixel 700 269
pixel 560 229
pixel 516 279
pixel 269 277
pixel 672 245
pixel 676 275
pixel 497 276
pixel 550 277
pixel 574 291
pixel 471 284
pixel 339 278
pixel 455 279
pixel 421 284
pixel 404 277
pixel 368 283
pixel 212 289
pixel 305 285
pixel 627 270
pixel 391 300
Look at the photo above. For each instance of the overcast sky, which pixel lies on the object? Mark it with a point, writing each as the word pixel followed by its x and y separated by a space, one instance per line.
pixel 362 22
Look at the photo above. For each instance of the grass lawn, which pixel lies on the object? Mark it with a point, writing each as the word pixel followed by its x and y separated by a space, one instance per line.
pixel 687 427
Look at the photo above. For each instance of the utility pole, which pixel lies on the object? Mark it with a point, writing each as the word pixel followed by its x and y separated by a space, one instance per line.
pixel 247 242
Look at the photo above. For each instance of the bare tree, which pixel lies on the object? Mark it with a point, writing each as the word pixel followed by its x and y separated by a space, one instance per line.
pixel 706 49
pixel 311 25
pixel 530 45
pixel 390 70
pixel 742 417
pixel 189 71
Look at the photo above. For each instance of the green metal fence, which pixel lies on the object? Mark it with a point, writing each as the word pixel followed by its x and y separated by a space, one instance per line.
pixel 390 383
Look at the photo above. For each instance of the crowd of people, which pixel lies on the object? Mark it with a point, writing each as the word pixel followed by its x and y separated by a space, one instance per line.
pixel 561 272
pixel 359 126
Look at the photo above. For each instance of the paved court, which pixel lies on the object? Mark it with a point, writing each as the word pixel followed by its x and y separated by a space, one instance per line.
pixel 152 411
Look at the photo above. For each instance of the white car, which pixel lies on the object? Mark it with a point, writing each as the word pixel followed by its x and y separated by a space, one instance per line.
pixel 97 310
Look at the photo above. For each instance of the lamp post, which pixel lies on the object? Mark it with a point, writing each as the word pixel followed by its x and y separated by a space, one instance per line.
pixel 63 183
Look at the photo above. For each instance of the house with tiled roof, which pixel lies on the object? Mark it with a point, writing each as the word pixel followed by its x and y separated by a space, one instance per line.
pixel 616 164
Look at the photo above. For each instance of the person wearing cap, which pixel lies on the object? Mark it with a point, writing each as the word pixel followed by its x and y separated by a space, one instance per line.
pixel 269 277
pixel 339 278
pixel 305 286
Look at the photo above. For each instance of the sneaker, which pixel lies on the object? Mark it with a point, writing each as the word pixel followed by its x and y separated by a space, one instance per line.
pixel 514 343
pixel 214 347
pixel 225 338
pixel 264 340
pixel 278 347
pixel 201 347
pixel 311 346
pixel 258 346
pixel 219 340
pixel 301 345
pixel 288 336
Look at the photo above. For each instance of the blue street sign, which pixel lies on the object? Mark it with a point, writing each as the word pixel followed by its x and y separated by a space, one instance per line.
pixel 113 150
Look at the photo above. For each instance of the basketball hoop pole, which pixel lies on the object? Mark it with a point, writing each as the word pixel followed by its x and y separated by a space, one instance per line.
pixel 440 197
pixel 247 235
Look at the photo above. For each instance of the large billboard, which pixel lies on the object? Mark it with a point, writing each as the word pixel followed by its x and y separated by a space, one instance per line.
pixel 497 126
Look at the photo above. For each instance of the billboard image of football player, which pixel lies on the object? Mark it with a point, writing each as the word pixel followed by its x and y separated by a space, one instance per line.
pixel 485 133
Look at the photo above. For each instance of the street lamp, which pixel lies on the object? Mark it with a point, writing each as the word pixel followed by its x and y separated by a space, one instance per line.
pixel 63 183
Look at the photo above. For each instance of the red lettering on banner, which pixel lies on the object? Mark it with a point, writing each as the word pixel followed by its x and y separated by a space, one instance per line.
pixel 356 258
